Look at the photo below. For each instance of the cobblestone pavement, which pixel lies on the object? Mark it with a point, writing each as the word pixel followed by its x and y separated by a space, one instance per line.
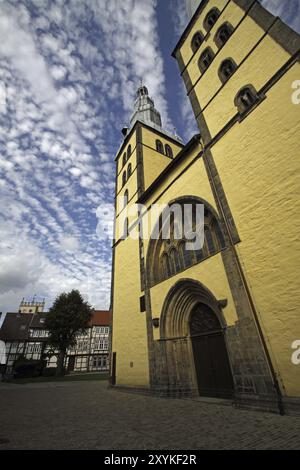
pixel 87 415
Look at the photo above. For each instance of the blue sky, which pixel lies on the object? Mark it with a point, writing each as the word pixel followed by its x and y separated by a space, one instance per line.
pixel 69 70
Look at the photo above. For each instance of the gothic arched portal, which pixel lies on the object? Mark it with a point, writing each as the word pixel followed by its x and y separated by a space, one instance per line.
pixel 192 332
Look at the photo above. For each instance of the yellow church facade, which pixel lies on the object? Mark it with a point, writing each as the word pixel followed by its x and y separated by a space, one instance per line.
pixel 221 320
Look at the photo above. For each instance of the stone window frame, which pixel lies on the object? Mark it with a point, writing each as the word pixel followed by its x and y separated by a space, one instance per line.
pixel 196 41
pixel 206 24
pixel 217 39
pixel 159 146
pixel 201 64
pixel 168 151
pixel 256 98
pixel 221 72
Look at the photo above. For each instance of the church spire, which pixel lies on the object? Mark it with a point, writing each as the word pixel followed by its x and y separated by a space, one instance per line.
pixel 144 109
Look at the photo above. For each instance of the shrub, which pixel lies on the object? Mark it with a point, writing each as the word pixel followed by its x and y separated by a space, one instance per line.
pixel 24 368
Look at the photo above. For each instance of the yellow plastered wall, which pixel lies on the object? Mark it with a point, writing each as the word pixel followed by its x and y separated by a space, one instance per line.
pixel 258 161
pixel 211 274
pixel 129 324
pixel 132 159
pixel 185 49
pixel 153 161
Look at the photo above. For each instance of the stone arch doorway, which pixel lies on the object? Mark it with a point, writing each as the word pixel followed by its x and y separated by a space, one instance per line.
pixel 192 349
pixel 210 353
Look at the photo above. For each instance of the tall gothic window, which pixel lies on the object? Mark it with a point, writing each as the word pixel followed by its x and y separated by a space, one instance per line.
pixel 227 68
pixel 166 257
pixel 124 158
pixel 211 18
pixel 206 59
pixel 129 170
pixel 196 41
pixel 159 146
pixel 168 151
pixel 223 34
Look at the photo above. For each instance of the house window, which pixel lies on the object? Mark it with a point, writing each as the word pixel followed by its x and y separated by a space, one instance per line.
pixel 168 151
pixel 124 158
pixel 246 98
pixel 227 68
pixel 159 146
pixel 128 151
pixel 142 304
pixel 223 34
pixel 129 171
pixel 196 41
pixel 211 18
pixel 206 59
pixel 124 178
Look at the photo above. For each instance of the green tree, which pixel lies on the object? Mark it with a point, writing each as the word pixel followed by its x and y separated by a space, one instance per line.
pixel 68 316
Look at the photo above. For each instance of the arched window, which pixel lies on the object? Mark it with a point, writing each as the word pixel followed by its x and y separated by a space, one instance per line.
pixel 168 256
pixel 211 18
pixel 128 151
pixel 226 69
pixel 223 34
pixel 126 224
pixel 126 198
pixel 206 59
pixel 246 98
pixel 159 146
pixel 168 151
pixel 196 41
pixel 124 158
pixel 129 170
pixel 124 178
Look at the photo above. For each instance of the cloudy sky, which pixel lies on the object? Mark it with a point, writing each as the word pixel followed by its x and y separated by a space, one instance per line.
pixel 68 73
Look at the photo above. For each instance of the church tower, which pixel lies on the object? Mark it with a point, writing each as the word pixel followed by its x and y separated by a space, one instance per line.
pixel 147 149
pixel 219 320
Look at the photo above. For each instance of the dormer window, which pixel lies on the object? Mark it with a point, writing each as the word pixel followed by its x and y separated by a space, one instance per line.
pixel 227 68
pixel 211 18
pixel 196 41
pixel 223 34
pixel 206 59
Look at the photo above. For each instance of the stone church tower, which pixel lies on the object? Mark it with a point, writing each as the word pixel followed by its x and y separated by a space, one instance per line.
pixel 221 320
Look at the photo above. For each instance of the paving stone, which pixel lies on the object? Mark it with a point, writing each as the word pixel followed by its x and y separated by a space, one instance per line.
pixel 88 415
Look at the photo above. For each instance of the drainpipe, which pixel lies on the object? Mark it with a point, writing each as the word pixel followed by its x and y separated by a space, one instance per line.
pixel 249 297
